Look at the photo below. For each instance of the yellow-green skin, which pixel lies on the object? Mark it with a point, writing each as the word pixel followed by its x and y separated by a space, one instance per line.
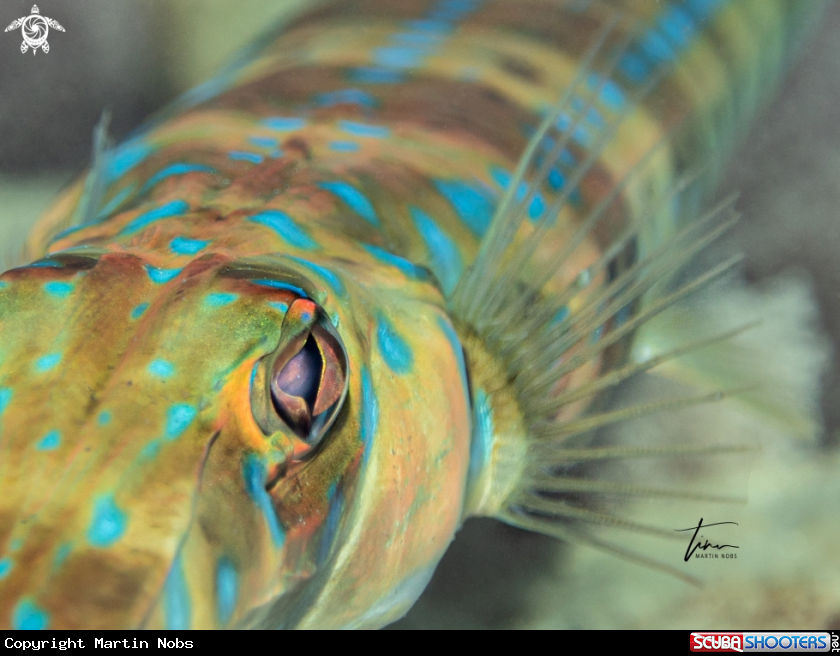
pixel 361 167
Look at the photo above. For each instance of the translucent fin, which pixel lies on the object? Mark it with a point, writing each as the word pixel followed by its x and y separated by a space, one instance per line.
pixel 96 182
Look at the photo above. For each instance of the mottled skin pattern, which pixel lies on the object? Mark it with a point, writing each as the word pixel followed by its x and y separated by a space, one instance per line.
pixel 355 162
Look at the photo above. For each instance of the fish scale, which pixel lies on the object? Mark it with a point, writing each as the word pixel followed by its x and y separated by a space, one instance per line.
pixel 352 183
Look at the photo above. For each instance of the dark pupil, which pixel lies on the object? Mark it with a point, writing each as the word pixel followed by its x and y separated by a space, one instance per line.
pixel 302 374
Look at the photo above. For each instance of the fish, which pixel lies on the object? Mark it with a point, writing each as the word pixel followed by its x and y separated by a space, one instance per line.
pixel 379 276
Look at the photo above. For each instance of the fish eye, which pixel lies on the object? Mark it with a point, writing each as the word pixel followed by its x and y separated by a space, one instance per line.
pixel 300 388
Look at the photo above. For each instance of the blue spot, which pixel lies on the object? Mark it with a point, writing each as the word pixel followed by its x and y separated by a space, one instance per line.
pixel 151 450
pixel 399 57
pixel 61 555
pixel 227 589
pixel 457 349
pixel 138 311
pixel 253 472
pixel 104 418
pixel 556 179
pixel 408 268
pixel 332 280
pixel 162 369
pixel 3 284
pixel 126 157
pixel 364 130
pixel 161 276
pixel 561 315
pixel 438 27
pixel 372 75
pixel 5 398
pixel 280 307
pixel 346 96
pixel 470 202
pixel 286 228
pixel 220 299
pixel 50 441
pixel 656 47
pixel 537 206
pixel 623 315
pixel 46 264
pixel 47 362
pixel 58 289
pixel 172 208
pixel 245 156
pixel 184 246
pixel 370 414
pixel 678 26
pixel 481 440
pixel 395 351
pixel 263 142
pixel 344 146
pixel 28 616
pixel 176 598
pixel 276 284
pixel 176 169
pixel 284 124
pixel 5 567
pixel 178 419
pixel 354 198
pixel 108 523
pixel 634 67
pixel 445 259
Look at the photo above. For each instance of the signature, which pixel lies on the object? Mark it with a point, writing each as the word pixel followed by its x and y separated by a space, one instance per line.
pixel 695 544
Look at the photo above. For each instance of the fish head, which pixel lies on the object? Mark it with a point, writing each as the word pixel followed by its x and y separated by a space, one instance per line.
pixel 270 442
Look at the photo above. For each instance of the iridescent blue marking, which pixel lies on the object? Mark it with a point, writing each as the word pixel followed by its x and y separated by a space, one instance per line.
pixel 445 258
pixel 364 129
pixel 623 315
pixel 176 169
pixel 28 616
pixel 408 268
pixel 417 38
pixel 227 589
pixel 178 419
pixel 47 362
pixel 184 246
pixel 635 68
pixel 177 607
pixel 253 471
pixel 264 142
pixel 151 450
pixel 702 9
pixel 286 228
pixel 399 57
pixel 536 207
pixel 346 96
pixel 172 208
pixel 330 529
pixel 5 398
pixel 472 203
pixel 276 284
pixel 108 524
pixel 372 75
pixel 161 276
pixel 481 440
pixel 458 351
pixel 370 414
pixel 58 289
pixel 5 567
pixel 394 350
pixel 126 157
pixel 280 307
pixel 556 179
pixel 435 26
pixel 50 441
pixel 46 264
pixel 162 369
pixel 284 124
pixel 332 280
pixel 357 201
pixel 61 555
pixel 343 146
pixel 3 284
pixel 104 418
pixel 678 26
pixel 656 47
pixel 561 315
pixel 220 299
pixel 138 311
pixel 245 156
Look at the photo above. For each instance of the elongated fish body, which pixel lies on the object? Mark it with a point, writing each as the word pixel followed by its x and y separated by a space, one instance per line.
pixel 267 363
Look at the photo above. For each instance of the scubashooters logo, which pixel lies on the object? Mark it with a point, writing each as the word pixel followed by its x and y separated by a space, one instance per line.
pixel 34 29
pixel 792 641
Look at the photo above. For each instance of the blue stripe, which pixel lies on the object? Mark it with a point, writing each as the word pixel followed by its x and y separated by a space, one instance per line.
pixel 394 350
pixel 177 606
pixel 172 208
pixel 471 202
pixel 332 280
pixel 445 259
pixel 176 169
pixel 364 130
pixel 253 472
pixel 357 201
pixel 286 228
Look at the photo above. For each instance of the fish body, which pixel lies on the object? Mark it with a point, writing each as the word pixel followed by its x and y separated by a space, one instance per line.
pixel 257 377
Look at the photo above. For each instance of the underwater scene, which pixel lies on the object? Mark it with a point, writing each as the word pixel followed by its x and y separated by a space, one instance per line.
pixel 420 314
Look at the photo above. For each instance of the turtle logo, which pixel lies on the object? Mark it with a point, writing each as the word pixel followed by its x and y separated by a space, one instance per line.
pixel 34 29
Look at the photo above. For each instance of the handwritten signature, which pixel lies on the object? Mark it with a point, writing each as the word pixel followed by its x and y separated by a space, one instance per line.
pixel 694 546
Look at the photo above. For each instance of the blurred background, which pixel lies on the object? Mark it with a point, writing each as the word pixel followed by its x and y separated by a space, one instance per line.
pixel 132 56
